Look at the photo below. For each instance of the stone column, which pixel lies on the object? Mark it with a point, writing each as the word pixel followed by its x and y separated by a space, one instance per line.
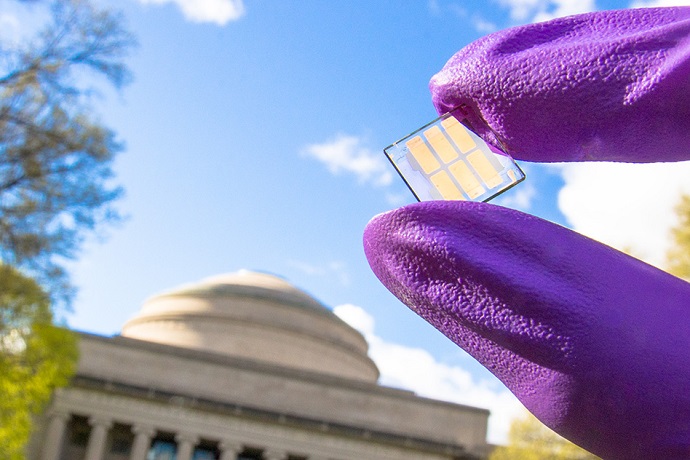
pixel 52 447
pixel 142 441
pixel 274 454
pixel 230 449
pixel 185 445
pixel 97 438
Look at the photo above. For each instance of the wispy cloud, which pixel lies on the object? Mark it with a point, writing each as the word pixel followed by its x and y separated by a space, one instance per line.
pixel 349 154
pixel 9 27
pixel 543 10
pixel 521 198
pixel 398 199
pixel 654 3
pixel 627 206
pixel 20 21
pixel 479 23
pixel 334 269
pixel 417 370
pixel 482 25
pixel 219 12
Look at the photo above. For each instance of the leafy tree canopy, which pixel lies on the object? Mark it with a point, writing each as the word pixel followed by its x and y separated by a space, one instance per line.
pixel 55 187
pixel 55 157
pixel 529 439
pixel 678 257
pixel 35 358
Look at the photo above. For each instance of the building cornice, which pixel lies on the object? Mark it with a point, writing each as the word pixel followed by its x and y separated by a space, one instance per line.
pixel 281 371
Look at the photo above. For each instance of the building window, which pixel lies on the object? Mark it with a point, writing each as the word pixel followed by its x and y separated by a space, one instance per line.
pixel 204 454
pixel 79 431
pixel 250 454
pixel 120 446
pixel 206 450
pixel 162 450
pixel 121 439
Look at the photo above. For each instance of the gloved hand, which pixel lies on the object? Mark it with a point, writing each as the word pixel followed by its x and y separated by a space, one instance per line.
pixel 595 343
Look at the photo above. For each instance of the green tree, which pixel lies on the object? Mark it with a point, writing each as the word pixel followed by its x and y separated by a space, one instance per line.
pixel 55 187
pixel 35 358
pixel 55 156
pixel 678 257
pixel 529 439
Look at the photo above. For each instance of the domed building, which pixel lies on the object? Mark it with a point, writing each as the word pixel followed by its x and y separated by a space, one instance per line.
pixel 243 366
pixel 258 317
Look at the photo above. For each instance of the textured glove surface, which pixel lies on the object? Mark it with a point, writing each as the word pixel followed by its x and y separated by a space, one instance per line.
pixel 612 85
pixel 595 343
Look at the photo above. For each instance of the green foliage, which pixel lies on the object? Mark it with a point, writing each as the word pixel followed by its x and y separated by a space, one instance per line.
pixel 529 439
pixel 35 358
pixel 678 257
pixel 55 187
pixel 55 157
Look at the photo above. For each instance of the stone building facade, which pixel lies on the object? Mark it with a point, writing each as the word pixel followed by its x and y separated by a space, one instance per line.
pixel 243 366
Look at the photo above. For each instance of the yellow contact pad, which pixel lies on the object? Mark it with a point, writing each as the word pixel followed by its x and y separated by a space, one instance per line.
pixel 466 179
pixel 484 168
pixel 440 144
pixel 459 134
pixel 422 154
pixel 446 187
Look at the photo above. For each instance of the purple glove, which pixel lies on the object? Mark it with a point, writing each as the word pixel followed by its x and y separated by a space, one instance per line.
pixel 595 343
pixel 608 86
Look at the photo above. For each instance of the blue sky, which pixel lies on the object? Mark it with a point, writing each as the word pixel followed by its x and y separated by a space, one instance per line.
pixel 254 135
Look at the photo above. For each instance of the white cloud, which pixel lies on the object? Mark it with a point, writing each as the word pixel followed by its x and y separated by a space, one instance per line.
pixel 627 206
pixel 479 23
pixel 9 27
pixel 543 10
pixel 349 154
pixel 399 199
pixel 216 11
pixel 482 25
pixel 334 269
pixel 417 370
pixel 654 3
pixel 520 198
pixel 20 21
pixel 356 317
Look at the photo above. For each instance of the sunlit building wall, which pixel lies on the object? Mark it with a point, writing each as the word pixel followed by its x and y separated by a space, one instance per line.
pixel 244 366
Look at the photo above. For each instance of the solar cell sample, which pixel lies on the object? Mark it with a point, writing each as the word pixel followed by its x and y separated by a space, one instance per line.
pixel 445 160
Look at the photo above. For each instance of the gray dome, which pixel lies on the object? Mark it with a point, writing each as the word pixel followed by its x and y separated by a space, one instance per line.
pixel 255 316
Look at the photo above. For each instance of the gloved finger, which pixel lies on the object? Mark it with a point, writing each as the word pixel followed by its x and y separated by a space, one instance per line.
pixel 595 343
pixel 604 86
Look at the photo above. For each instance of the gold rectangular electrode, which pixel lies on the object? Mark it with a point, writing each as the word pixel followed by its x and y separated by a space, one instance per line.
pixel 445 160
pixel 422 155
pixel 441 144
pixel 484 168
pixel 445 185
pixel 459 134
pixel 462 173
